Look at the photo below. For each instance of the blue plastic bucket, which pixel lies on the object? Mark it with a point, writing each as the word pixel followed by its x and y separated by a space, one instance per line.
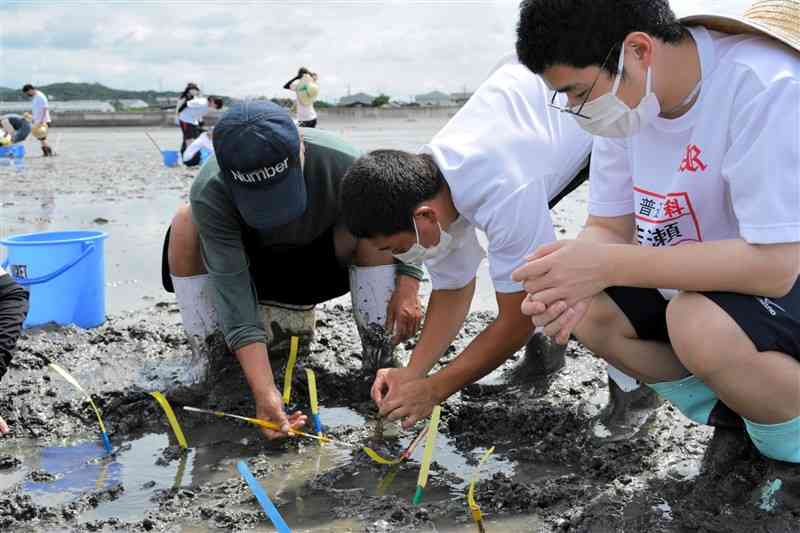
pixel 16 151
pixel 204 155
pixel 65 274
pixel 171 157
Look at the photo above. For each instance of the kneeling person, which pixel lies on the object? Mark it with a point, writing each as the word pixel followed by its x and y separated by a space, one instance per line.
pixel 264 225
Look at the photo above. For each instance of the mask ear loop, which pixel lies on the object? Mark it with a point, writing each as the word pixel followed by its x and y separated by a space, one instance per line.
pixel 416 230
pixel 618 78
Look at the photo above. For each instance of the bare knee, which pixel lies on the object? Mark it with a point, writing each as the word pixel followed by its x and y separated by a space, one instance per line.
pixel 183 253
pixel 603 326
pixel 702 334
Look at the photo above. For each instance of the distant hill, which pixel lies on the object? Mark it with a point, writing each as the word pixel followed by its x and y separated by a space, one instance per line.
pixel 85 91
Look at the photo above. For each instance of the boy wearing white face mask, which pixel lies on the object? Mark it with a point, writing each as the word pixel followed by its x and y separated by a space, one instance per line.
pixel 494 168
pixel 698 163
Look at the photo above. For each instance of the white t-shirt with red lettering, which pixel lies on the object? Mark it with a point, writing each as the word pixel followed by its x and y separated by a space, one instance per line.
pixel 727 169
pixel 504 155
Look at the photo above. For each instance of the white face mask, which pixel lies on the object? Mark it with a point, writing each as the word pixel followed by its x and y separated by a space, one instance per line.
pixel 611 117
pixel 418 253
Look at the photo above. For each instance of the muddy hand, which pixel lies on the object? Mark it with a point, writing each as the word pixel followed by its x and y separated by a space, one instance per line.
pixel 3 426
pixel 410 401
pixel 404 312
pixel 270 407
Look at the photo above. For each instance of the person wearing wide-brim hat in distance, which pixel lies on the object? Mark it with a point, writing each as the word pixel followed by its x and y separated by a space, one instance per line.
pixel 697 160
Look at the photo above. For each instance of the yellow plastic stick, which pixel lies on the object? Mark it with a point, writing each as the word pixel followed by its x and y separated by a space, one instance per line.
pixel 287 376
pixel 475 511
pixel 294 433
pixel 74 382
pixel 173 422
pixel 312 394
pixel 378 459
pixel 430 444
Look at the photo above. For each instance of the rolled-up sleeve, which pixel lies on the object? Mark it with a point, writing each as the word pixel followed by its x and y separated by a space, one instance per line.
pixel 228 269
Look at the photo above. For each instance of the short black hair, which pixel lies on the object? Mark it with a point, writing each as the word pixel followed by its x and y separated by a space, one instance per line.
pixel 27 87
pixel 216 100
pixel 582 33
pixel 381 189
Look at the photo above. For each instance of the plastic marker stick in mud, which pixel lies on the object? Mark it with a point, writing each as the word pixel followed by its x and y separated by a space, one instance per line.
pixel 475 511
pixel 74 382
pixel 261 495
pixel 287 377
pixel 295 433
pixel 154 142
pixel 430 444
pixel 173 422
pixel 312 394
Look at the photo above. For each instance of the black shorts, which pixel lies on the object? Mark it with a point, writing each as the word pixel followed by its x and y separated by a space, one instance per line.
pixel 773 324
pixel 190 131
pixel 307 123
pixel 302 275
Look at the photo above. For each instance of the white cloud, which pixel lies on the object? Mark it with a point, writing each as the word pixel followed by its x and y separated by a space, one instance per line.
pixel 251 48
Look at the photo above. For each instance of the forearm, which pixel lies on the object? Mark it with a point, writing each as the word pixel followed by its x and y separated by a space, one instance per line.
pixel 613 230
pixel 255 364
pixel 730 265
pixel 447 310
pixel 485 353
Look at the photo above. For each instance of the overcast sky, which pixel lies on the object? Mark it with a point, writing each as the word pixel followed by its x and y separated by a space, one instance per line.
pixel 251 48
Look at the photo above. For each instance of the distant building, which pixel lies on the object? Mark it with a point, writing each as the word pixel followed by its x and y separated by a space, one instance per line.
pixel 357 100
pixel 434 98
pixel 460 98
pixel 127 103
pixel 167 100
pixel 60 106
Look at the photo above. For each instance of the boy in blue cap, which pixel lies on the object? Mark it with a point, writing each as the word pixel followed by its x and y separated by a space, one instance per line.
pixel 264 226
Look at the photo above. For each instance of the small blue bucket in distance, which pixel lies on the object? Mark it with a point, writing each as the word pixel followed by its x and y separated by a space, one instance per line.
pixel 65 274
pixel 171 157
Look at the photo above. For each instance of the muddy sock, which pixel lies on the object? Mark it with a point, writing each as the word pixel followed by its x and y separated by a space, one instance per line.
pixel 777 441
pixel 371 289
pixel 193 295
pixel 691 396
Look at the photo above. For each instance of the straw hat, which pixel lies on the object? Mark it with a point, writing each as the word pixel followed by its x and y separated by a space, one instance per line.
pixel 779 19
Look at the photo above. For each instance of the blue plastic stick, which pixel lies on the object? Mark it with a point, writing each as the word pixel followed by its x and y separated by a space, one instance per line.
pixel 317 423
pixel 263 499
pixel 107 442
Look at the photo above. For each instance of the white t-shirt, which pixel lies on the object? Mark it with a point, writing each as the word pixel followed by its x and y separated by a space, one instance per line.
pixel 203 142
pixel 504 155
pixel 195 110
pixel 40 111
pixel 727 169
pixel 305 113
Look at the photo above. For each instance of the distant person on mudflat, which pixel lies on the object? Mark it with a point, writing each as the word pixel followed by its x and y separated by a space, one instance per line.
pixel 40 117
pixel 190 117
pixel 306 89
pixel 16 127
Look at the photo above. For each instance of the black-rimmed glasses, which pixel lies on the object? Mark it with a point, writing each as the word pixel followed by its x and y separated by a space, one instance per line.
pixel 568 109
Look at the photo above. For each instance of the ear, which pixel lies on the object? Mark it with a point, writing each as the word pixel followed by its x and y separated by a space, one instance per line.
pixel 642 46
pixel 425 211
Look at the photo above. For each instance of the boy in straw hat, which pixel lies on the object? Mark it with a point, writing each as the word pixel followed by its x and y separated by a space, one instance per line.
pixel 697 161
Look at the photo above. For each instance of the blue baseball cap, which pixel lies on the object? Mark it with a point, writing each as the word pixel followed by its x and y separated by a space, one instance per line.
pixel 257 146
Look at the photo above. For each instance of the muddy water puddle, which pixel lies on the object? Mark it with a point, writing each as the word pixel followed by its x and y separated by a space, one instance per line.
pixel 145 468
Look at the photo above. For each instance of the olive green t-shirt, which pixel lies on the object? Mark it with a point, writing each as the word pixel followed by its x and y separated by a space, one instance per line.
pixel 226 240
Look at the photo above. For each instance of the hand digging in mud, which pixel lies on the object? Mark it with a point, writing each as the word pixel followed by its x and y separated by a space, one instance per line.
pixel 3 426
pixel 254 361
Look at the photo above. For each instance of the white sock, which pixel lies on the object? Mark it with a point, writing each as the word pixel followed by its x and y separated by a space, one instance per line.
pixel 371 288
pixel 625 382
pixel 194 298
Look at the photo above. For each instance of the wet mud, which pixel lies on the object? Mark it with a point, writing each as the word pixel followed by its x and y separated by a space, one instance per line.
pixel 549 471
